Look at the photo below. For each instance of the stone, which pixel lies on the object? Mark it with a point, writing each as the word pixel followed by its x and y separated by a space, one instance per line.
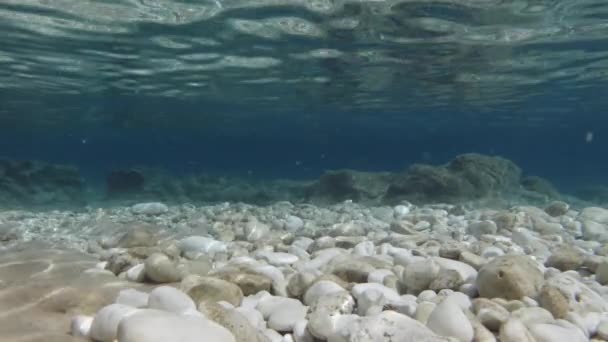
pixel 480 228
pixel 352 271
pixel 238 324
pixel 282 311
pixel 565 259
pixel 594 231
pixel 472 259
pixel 201 245
pixel 557 208
pixel 601 273
pixel 554 301
pixel 160 269
pixel 159 326
pixel 580 297
pixel 105 323
pixel 250 283
pixel 170 299
pixel 133 298
pixel 320 288
pixel 138 236
pixel 136 273
pixel 386 326
pixel 448 319
pixel 325 309
pixel 510 277
pixel 80 326
pixel 211 290
pixel 555 333
pixel 150 208
pixel 515 331
pixel 277 258
pixel 418 275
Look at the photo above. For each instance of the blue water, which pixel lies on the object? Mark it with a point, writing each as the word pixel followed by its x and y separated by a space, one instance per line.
pixel 269 90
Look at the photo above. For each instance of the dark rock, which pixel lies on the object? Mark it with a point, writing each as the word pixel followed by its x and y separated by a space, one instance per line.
pixel 124 181
pixel 340 185
pixel 468 176
pixel 26 183
pixel 539 185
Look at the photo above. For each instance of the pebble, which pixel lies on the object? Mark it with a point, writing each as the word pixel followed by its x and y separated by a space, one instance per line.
pixel 170 299
pixel 133 298
pixel 104 326
pixel 150 325
pixel 80 326
pixel 150 208
pixel 159 268
pixel 510 277
pixel 448 319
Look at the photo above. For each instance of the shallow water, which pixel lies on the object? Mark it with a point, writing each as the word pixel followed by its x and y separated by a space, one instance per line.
pixel 236 114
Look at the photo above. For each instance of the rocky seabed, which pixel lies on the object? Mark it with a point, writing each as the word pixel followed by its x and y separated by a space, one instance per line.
pixel 282 273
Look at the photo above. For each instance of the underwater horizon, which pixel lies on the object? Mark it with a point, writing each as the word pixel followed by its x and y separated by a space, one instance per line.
pixel 303 170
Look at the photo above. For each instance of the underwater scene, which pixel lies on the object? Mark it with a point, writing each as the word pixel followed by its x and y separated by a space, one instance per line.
pixel 303 170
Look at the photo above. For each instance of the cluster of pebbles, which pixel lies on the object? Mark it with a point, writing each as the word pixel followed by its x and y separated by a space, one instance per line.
pixel 236 272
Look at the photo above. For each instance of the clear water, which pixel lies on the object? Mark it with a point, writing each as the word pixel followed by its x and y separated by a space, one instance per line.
pixel 288 89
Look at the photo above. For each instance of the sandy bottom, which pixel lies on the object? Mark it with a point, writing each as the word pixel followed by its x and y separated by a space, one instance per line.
pixel 42 288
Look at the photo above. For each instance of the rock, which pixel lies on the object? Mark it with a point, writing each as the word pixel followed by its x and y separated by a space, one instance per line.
pixel 324 311
pixel 602 329
pixel 150 208
pixel 133 298
pixel 473 260
pixel 515 331
pixel 539 185
pixel 341 185
pixel 118 263
pixel 170 299
pixel 556 333
pixel 293 223
pixel 121 182
pixel 139 236
pixel 321 288
pixel 446 279
pixel 158 326
pixel 418 275
pixel 510 277
pixel 201 245
pixel 137 273
pixel 352 271
pixel 565 259
pixel 386 326
pixel 80 326
pixel 277 258
pixel 557 208
pixel 233 320
pixel 480 228
pixel 211 290
pixel 468 176
pixel 33 183
pixel 282 313
pixel 580 297
pixel 554 301
pixel 448 319
pixel 105 323
pixel 160 269
pixel 596 214
pixel 594 231
pixel 601 273
pixel 250 283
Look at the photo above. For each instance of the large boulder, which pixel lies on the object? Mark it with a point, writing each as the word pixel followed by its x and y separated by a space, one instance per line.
pixel 468 176
pixel 340 185
pixel 27 183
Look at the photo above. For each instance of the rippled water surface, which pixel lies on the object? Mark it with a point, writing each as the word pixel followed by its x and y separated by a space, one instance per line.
pixel 389 56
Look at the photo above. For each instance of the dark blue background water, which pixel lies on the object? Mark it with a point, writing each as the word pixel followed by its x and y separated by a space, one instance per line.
pixel 243 142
